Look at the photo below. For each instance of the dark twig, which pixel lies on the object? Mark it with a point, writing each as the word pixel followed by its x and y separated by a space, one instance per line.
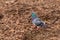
pixel 55 20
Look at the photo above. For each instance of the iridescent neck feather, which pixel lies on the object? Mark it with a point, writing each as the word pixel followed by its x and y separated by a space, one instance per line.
pixel 34 15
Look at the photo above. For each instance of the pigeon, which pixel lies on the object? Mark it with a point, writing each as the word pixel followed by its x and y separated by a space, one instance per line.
pixel 37 21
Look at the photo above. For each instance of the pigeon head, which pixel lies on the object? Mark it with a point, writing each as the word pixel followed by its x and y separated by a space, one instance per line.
pixel 34 15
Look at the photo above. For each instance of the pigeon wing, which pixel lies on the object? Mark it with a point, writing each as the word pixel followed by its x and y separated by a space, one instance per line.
pixel 38 22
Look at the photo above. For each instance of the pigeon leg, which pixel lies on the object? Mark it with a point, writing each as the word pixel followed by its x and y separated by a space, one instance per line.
pixel 33 26
pixel 38 27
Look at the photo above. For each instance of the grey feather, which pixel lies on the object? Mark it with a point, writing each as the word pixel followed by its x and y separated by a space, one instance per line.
pixel 37 21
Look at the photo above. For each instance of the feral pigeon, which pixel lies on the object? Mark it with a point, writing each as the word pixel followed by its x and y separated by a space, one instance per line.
pixel 37 21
